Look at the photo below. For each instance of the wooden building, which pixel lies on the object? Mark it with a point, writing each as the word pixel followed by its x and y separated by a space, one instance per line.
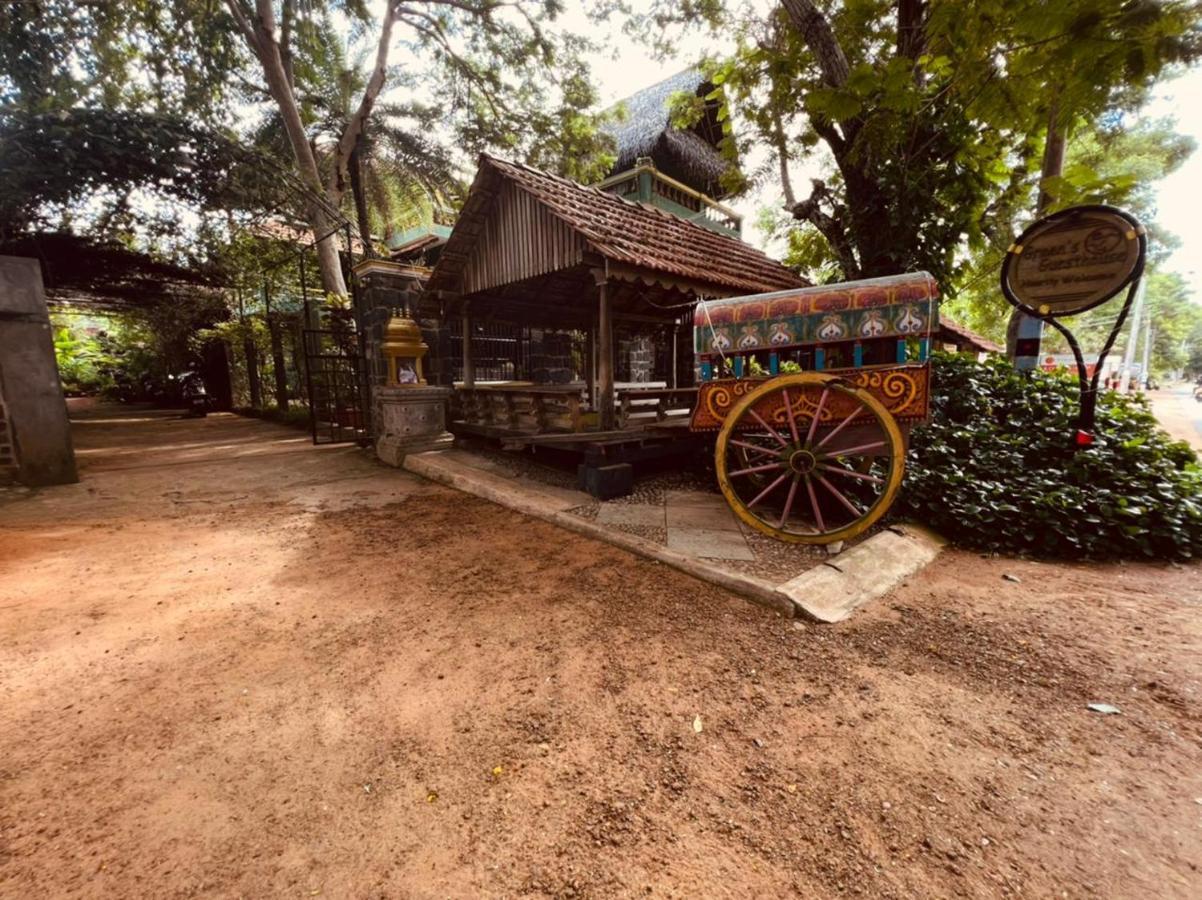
pixel 603 274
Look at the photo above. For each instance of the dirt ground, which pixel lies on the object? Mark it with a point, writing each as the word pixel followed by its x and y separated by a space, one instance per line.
pixel 235 665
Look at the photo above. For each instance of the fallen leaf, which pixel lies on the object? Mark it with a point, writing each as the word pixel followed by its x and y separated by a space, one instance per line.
pixel 432 796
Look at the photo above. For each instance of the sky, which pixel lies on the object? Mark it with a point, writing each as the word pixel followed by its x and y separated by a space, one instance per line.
pixel 1179 194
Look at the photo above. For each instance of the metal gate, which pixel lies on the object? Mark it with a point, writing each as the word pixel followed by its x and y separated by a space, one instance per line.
pixel 339 411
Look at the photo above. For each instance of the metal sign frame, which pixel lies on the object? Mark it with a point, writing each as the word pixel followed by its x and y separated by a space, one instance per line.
pixel 1088 386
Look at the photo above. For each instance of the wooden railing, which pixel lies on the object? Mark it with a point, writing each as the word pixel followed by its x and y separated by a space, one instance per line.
pixel 531 409
pixel 543 409
pixel 644 406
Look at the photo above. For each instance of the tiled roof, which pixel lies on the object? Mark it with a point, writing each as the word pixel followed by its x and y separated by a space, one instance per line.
pixel 955 333
pixel 643 236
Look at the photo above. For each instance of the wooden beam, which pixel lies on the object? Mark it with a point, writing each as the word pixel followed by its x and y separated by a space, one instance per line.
pixel 605 358
pixel 469 364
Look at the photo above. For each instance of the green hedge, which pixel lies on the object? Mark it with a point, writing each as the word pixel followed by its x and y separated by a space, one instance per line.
pixel 994 470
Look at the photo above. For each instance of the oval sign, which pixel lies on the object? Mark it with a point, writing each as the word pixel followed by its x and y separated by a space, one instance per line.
pixel 1073 260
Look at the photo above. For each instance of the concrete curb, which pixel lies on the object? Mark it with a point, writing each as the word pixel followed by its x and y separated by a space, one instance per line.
pixel 826 593
pixel 832 591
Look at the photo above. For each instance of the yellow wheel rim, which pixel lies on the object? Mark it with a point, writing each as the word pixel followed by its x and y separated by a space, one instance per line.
pixel 801 431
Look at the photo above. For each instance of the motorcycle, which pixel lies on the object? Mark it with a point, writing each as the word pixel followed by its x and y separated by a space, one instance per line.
pixel 195 396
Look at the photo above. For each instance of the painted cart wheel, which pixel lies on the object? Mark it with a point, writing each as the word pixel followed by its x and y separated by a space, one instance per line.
pixel 810 459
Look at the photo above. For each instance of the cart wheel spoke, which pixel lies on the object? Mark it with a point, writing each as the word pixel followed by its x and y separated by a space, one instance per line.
pixel 789 415
pixel 822 443
pixel 857 451
pixel 784 516
pixel 756 448
pixel 839 470
pixel 771 431
pixel 851 507
pixel 814 507
pixel 768 490
pixel 817 415
pixel 767 467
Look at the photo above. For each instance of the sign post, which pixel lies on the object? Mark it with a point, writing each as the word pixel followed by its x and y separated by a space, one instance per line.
pixel 1070 262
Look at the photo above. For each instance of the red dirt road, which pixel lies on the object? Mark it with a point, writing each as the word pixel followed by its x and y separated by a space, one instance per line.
pixel 233 665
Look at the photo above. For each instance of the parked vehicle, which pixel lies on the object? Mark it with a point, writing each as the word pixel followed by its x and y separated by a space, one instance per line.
pixel 195 396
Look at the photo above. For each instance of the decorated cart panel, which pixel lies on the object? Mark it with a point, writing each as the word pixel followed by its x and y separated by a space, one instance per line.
pixel 899 306
pixel 903 390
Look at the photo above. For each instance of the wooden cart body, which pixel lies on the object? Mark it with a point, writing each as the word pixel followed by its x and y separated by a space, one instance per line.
pixel 781 372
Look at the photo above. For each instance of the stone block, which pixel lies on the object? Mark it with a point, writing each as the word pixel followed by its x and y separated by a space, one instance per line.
pixel 605 482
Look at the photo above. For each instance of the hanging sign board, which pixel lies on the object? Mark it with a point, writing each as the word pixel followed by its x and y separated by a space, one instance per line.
pixel 1069 262
pixel 1073 260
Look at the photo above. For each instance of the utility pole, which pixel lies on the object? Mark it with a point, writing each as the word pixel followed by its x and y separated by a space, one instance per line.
pixel 1137 313
pixel 1146 373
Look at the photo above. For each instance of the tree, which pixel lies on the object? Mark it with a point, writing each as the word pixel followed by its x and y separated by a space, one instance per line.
pixel 929 116
pixel 1117 160
pixel 483 56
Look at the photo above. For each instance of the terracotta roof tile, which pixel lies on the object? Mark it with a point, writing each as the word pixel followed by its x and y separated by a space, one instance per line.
pixel 646 237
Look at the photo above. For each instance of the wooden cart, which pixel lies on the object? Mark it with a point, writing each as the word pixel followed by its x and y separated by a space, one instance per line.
pixel 812 393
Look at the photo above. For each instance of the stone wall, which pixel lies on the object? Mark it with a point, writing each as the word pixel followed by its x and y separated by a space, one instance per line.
pixel 635 358
pixel 550 357
pixel 8 452
pixel 387 289
pixel 36 429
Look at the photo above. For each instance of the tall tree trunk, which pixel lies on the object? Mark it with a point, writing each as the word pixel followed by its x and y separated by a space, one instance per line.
pixel 252 373
pixel 1053 165
pixel 277 363
pixel 259 28
pixel 355 171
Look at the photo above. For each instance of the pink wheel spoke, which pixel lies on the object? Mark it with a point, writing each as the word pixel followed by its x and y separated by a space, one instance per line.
pixel 766 451
pixel 765 468
pixel 817 416
pixel 814 505
pixel 851 507
pixel 852 451
pixel 768 490
pixel 772 431
pixel 839 427
pixel 789 414
pixel 839 470
pixel 784 517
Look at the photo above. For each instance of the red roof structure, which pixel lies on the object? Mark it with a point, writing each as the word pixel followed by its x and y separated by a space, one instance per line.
pixel 950 332
pixel 565 225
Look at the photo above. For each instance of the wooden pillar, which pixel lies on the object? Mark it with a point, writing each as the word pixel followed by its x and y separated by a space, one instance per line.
pixel 605 357
pixel 469 364
pixel 590 366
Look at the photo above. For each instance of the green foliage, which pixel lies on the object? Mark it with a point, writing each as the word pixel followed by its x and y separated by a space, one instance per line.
pixel 54 161
pixel 995 470
pixel 927 120
pixel 81 361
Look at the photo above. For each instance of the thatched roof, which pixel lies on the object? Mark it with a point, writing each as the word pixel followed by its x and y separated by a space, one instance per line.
pixel 690 156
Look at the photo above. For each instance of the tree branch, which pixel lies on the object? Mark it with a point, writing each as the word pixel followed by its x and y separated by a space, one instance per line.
pixel 830 225
pixel 375 83
pixel 820 38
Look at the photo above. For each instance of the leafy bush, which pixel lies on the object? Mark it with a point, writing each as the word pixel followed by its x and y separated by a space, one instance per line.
pixel 995 469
